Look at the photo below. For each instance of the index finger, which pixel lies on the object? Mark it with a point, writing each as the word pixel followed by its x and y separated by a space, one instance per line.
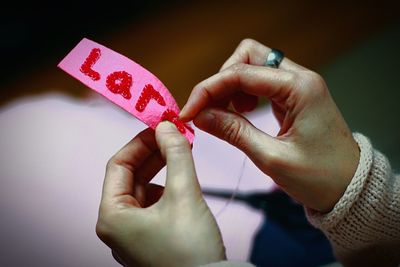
pixel 119 179
pixel 254 80
pixel 252 52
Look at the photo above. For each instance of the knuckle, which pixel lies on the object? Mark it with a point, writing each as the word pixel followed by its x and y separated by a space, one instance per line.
pixel 235 132
pixel 116 161
pixel 104 229
pixel 175 140
pixel 236 70
pixel 108 224
pixel 288 81
pixel 176 144
pixel 111 163
pixel 316 79
pixel 247 43
pixel 204 93
pixel 101 230
pixel 314 83
pixel 290 77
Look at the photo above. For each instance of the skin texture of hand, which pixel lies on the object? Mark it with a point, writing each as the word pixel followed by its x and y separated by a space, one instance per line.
pixel 314 156
pixel 147 225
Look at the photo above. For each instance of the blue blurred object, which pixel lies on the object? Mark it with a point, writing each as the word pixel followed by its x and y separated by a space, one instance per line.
pixel 286 238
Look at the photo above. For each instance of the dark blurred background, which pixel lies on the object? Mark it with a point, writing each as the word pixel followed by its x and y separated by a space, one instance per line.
pixel 180 41
pixel 354 44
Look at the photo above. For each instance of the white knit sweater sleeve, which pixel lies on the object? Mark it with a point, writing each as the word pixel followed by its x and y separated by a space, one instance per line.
pixel 364 226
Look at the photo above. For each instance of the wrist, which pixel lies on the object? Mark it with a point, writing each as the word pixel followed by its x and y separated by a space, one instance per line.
pixel 342 208
pixel 350 163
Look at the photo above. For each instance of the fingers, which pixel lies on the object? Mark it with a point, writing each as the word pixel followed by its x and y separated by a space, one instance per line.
pixel 153 194
pixel 261 148
pixel 249 52
pixel 150 167
pixel 181 175
pixel 253 80
pixel 244 102
pixel 119 179
pixel 252 52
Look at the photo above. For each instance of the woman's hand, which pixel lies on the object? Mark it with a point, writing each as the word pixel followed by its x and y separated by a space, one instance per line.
pixel 314 156
pixel 146 225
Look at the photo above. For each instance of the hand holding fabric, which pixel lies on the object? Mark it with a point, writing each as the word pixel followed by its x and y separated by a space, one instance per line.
pixel 147 225
pixel 314 156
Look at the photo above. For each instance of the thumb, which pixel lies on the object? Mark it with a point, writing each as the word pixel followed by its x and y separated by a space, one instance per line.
pixel 181 175
pixel 260 147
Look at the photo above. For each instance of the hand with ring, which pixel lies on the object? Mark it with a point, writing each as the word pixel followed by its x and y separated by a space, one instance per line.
pixel 314 155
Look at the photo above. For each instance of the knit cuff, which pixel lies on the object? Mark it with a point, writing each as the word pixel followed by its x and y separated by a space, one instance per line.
pixel 329 220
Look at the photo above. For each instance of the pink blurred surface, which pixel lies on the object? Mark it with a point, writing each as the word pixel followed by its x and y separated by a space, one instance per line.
pixel 53 156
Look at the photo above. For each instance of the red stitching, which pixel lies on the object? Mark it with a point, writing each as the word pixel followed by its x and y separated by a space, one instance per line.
pixel 147 94
pixel 86 67
pixel 120 82
pixel 171 116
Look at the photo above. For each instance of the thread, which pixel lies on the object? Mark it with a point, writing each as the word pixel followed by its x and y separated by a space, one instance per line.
pixel 236 190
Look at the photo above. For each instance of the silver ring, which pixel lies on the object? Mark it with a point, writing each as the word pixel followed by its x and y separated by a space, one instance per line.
pixel 274 58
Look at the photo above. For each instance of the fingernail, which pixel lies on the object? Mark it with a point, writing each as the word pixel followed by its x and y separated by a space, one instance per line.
pixel 182 114
pixel 166 126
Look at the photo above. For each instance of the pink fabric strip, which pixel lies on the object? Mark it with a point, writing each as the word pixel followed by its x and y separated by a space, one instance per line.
pixel 125 83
